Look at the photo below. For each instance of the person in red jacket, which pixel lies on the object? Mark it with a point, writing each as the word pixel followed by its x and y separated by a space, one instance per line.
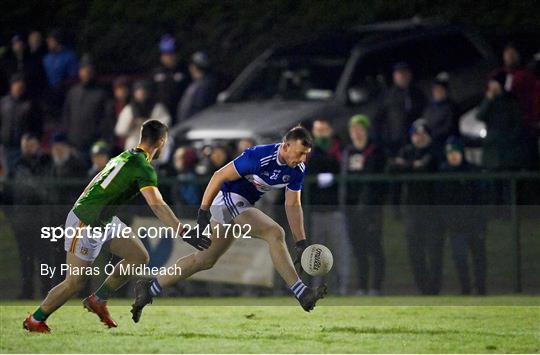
pixel 522 83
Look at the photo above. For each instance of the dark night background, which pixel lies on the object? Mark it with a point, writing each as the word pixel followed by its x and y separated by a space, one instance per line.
pixel 122 35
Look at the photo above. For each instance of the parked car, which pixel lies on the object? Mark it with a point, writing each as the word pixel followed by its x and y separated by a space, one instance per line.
pixel 337 75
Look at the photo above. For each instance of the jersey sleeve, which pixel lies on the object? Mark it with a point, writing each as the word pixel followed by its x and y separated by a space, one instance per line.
pixel 297 181
pixel 147 177
pixel 245 163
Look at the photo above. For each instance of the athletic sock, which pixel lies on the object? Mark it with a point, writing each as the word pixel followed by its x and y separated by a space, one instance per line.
pixel 103 292
pixel 40 315
pixel 298 288
pixel 155 288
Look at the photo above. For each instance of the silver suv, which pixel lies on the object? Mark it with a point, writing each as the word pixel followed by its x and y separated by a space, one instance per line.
pixel 337 75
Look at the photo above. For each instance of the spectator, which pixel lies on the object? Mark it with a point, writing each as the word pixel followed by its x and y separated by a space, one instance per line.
pixel 243 144
pixel 424 237
pixel 401 104
pixel 29 213
pixel 86 114
pixel 364 204
pixel 201 93
pixel 502 147
pixel 61 68
pixel 170 78
pixel 121 94
pixel 17 115
pixel 36 45
pixel 61 62
pixel 326 218
pixel 440 114
pixel 463 218
pixel 100 155
pixel 218 158
pixel 67 162
pixel 521 82
pixel 68 165
pixel 185 161
pixel 142 107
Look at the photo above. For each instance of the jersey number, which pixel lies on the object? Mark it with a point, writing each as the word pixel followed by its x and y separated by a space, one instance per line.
pixel 112 174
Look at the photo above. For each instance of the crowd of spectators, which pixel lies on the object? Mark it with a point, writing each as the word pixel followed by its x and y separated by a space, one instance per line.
pixel 57 120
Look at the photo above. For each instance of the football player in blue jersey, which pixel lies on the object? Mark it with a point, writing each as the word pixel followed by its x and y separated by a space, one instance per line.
pixel 229 199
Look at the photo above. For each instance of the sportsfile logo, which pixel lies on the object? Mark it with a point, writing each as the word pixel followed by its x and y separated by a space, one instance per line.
pixel 115 230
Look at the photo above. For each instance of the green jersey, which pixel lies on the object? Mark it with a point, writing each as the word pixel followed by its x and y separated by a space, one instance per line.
pixel 123 178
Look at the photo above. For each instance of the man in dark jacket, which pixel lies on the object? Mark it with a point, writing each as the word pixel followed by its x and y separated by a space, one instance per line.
pixel 400 106
pixel 464 217
pixel 87 116
pixel 440 114
pixel 67 165
pixel 328 224
pixel 201 93
pixel 29 213
pixel 18 115
pixel 170 78
pixel 503 145
pixel 425 240
pixel 364 203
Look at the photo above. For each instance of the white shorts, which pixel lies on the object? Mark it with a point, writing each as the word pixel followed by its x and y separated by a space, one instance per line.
pixel 227 206
pixel 87 245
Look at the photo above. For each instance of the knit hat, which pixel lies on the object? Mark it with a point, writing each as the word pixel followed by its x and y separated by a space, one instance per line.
pixel 100 147
pixel 401 66
pixel 360 119
pixel 442 79
pixel 454 144
pixel 59 138
pixel 420 126
pixel 167 44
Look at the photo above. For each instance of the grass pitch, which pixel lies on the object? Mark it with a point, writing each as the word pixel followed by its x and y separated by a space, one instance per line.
pixel 239 325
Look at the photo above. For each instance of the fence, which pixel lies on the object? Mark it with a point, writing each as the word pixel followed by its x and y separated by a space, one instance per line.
pixel 519 209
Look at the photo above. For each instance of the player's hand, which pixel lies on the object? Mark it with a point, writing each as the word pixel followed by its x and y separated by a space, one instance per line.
pixel 197 240
pixel 299 248
pixel 199 237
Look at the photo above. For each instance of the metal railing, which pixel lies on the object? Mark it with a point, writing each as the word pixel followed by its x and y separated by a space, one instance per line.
pixel 511 178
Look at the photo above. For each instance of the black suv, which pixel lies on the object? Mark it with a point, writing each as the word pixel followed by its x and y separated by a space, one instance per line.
pixel 337 75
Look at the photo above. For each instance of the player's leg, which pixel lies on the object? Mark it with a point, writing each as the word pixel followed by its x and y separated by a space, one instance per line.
pixel 191 264
pixel 266 228
pixel 201 260
pixel 133 253
pixel 57 296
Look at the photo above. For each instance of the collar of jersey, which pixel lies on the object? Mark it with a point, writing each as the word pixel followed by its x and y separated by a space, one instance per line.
pixel 144 151
pixel 277 156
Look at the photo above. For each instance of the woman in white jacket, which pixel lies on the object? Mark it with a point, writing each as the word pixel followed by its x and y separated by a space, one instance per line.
pixel 143 107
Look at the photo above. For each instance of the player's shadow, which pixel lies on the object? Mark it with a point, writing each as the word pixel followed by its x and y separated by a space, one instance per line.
pixel 402 330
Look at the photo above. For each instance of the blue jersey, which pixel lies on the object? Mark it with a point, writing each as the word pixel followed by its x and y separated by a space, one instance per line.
pixel 261 172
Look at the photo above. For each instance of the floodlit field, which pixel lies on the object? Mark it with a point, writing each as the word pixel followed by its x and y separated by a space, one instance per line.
pixel 241 325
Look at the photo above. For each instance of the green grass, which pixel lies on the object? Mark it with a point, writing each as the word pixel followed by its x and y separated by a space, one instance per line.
pixel 509 324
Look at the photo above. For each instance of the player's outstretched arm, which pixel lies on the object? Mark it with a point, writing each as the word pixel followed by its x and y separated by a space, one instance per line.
pixel 295 216
pixel 166 215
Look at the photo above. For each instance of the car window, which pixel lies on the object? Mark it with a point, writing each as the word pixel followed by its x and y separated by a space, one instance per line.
pixel 293 78
pixel 426 57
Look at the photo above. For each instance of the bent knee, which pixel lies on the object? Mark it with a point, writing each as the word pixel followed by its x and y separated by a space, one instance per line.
pixel 274 233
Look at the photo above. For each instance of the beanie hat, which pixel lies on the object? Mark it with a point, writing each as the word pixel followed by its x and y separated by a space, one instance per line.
pixel 360 119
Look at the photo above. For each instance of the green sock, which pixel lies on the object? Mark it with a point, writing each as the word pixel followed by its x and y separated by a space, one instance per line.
pixel 103 292
pixel 40 315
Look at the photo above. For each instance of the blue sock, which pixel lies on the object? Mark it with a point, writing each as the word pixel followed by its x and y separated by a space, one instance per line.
pixel 155 288
pixel 298 288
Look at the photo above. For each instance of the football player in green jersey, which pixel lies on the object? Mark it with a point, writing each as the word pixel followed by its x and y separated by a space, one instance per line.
pixel 93 223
